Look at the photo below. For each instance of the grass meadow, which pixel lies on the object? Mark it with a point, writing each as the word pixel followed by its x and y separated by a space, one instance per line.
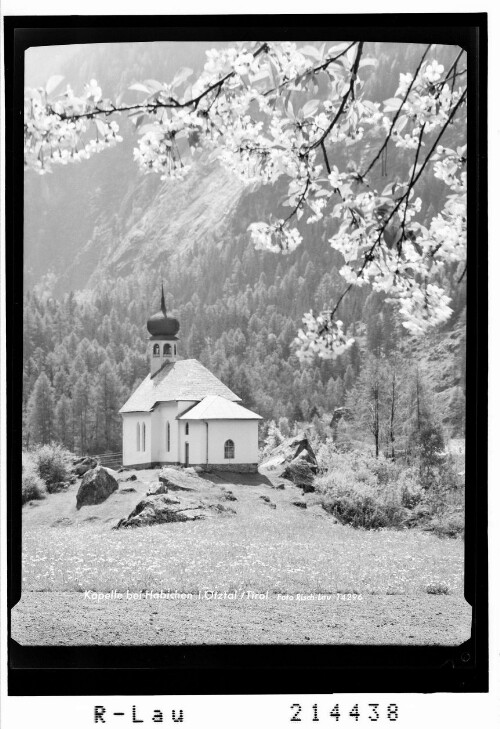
pixel 394 586
pixel 285 550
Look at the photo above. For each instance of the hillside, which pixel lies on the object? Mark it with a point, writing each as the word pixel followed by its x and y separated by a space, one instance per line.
pixel 77 217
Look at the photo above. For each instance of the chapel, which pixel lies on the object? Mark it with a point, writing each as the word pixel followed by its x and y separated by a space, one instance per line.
pixel 181 414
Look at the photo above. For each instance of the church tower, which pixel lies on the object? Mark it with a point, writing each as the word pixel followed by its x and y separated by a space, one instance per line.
pixel 163 344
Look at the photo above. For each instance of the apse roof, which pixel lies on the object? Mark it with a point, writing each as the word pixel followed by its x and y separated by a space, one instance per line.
pixel 215 407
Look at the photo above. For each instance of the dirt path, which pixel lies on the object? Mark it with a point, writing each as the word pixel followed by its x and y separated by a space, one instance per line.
pixel 72 619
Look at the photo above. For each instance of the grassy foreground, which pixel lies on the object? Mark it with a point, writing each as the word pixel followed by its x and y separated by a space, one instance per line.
pixel 284 549
pixel 344 585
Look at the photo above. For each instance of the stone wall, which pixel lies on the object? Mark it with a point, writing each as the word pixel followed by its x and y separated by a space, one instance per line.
pixel 228 467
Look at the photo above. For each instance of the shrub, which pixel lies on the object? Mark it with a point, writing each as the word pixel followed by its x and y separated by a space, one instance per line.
pixel 364 510
pixel 368 492
pixel 352 493
pixel 32 486
pixel 437 588
pixel 53 463
pixel 448 524
pixel 411 491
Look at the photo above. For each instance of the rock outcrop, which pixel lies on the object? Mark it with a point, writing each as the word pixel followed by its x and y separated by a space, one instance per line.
pixel 172 480
pixel 340 414
pixel 132 476
pixel 300 472
pixel 290 449
pixel 97 484
pixel 84 464
pixel 294 459
pixel 157 488
pixel 161 509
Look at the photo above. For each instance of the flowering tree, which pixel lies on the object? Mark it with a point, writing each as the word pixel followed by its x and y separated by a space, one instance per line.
pixel 273 110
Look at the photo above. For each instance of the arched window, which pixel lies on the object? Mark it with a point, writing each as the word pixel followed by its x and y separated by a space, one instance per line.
pixel 229 449
pixel 167 350
pixel 168 436
pixel 144 436
pixel 156 350
pixel 187 428
pixel 138 436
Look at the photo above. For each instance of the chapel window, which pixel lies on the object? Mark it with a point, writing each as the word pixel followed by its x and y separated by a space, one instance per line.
pixel 156 350
pixel 229 449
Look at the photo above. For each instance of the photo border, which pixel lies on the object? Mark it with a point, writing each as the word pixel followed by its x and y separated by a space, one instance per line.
pixel 249 669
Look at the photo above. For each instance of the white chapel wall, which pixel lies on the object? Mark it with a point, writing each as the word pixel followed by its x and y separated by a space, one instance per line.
pixel 197 439
pixel 166 412
pixel 180 428
pixel 244 434
pixel 131 455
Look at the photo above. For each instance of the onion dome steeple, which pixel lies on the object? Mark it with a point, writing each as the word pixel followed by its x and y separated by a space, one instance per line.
pixel 163 343
pixel 160 325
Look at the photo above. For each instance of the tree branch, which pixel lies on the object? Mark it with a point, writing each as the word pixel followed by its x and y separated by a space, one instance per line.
pixel 152 106
pixel 314 70
pixel 369 254
pixel 325 156
pixel 350 90
pixel 396 116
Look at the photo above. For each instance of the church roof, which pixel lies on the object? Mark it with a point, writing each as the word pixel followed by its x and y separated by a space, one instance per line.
pixel 185 379
pixel 215 407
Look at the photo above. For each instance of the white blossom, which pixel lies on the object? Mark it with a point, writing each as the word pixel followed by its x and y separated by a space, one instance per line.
pixel 321 337
pixel 243 108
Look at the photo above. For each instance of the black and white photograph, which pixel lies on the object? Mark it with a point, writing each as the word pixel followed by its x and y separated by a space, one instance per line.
pixel 244 343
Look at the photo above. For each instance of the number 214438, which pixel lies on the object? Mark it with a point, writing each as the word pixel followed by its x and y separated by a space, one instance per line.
pixel 373 712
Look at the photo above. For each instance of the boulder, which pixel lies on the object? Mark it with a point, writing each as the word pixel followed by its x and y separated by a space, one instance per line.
pixel 221 509
pixel 289 450
pixel 300 504
pixel 268 501
pixel 300 472
pixel 173 480
pixel 97 484
pixel 160 509
pixel 132 476
pixel 62 521
pixel 84 464
pixel 111 471
pixel 340 414
pixel 157 488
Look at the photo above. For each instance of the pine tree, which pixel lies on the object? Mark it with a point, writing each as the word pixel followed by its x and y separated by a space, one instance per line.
pixel 107 400
pixel 64 422
pixel 40 411
pixel 349 378
pixel 81 412
pixel 368 400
